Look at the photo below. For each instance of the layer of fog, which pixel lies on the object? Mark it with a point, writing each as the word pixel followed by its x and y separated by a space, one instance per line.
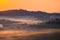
pixel 28 20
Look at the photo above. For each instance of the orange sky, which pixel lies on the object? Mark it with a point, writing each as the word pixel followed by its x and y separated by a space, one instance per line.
pixel 43 5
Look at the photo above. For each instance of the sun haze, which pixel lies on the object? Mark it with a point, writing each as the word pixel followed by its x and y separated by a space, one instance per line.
pixel 32 5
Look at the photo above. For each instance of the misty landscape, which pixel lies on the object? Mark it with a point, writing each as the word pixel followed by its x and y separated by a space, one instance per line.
pixel 29 25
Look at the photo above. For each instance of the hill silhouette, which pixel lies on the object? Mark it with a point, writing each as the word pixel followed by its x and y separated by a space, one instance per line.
pixel 49 19
pixel 25 13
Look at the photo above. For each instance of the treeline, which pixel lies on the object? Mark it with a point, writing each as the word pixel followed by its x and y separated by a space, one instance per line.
pixel 55 21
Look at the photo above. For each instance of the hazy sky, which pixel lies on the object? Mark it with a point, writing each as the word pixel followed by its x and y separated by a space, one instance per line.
pixel 43 5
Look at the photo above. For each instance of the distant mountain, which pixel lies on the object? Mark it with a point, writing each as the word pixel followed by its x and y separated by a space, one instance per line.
pixel 21 13
pixel 36 14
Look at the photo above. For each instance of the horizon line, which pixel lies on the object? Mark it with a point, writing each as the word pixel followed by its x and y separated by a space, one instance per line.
pixel 27 10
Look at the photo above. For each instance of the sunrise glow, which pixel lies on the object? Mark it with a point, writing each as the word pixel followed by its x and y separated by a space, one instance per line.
pixel 42 5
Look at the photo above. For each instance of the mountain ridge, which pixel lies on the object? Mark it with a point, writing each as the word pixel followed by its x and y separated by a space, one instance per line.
pixel 25 13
